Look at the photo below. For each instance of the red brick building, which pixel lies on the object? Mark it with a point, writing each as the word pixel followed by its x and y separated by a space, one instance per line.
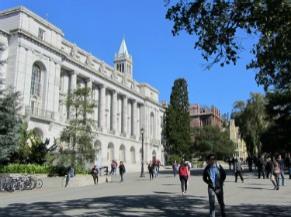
pixel 201 116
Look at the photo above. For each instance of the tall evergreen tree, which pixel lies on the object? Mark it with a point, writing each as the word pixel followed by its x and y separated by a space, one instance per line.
pixel 10 123
pixel 177 121
pixel 79 133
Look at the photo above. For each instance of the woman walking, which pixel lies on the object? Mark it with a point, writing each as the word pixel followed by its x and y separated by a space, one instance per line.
pixel 183 174
pixel 275 174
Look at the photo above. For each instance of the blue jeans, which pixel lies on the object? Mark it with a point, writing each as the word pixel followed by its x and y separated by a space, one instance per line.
pixel 281 176
pixel 220 199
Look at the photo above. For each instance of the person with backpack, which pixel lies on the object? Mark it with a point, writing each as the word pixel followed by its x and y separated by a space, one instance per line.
pixel 183 174
pixel 121 170
pixel 94 173
pixel 214 176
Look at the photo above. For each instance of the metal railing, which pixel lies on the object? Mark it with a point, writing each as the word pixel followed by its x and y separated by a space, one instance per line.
pixel 39 113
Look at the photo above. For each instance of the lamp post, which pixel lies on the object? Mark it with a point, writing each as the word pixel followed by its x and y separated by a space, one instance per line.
pixel 142 157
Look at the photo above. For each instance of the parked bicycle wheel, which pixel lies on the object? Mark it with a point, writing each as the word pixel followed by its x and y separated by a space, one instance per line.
pixel 39 183
pixel 11 186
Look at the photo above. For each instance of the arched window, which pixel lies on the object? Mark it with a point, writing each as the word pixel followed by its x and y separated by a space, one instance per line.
pixel 122 153
pixel 132 155
pixel 35 80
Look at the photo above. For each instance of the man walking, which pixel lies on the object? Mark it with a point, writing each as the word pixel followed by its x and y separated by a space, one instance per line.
pixel 288 164
pixel 261 167
pixel 175 168
pixel 282 169
pixel 121 170
pixel 238 170
pixel 70 174
pixel 214 175
pixel 94 173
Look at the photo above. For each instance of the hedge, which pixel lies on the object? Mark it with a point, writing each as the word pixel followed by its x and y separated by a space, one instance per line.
pixel 40 169
pixel 24 168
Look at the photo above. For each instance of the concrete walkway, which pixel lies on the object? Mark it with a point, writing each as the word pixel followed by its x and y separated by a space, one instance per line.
pixel 141 197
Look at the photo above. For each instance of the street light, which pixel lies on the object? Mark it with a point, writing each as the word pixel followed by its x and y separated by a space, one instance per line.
pixel 142 159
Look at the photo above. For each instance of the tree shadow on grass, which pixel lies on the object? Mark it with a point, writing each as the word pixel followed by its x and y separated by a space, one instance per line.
pixel 140 205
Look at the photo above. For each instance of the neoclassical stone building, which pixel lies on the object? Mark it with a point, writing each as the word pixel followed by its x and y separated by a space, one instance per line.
pixel 44 67
pixel 240 145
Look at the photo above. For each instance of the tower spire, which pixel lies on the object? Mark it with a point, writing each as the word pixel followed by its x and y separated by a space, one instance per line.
pixel 123 60
pixel 123 48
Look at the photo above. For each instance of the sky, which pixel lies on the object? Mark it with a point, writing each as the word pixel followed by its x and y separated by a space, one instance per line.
pixel 98 27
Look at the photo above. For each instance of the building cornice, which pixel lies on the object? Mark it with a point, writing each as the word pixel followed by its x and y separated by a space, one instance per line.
pixel 148 86
pixel 3 32
pixel 22 9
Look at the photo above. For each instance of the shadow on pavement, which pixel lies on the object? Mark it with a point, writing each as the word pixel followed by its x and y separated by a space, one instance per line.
pixel 140 205
pixel 258 188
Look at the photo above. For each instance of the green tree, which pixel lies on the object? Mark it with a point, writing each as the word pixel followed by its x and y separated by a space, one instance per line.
pixel 211 139
pixel 277 136
pixel 21 155
pixel 79 132
pixel 10 123
pixel 31 147
pixel 251 118
pixel 177 121
pixel 38 150
pixel 217 25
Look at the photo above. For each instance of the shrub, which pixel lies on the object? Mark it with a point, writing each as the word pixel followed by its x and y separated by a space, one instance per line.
pixel 172 158
pixel 57 170
pixel 24 168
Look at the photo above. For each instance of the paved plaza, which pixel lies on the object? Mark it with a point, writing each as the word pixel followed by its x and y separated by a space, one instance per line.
pixel 142 197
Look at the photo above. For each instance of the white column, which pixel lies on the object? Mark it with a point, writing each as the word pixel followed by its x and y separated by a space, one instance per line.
pixel 119 115
pixel 133 118
pixel 73 86
pixel 89 84
pixel 27 78
pixel 124 115
pixel 95 97
pixel 102 107
pixel 114 111
pixel 3 66
pixel 73 82
pixel 56 91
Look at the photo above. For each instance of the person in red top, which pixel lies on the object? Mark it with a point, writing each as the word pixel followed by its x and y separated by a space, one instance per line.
pixel 183 174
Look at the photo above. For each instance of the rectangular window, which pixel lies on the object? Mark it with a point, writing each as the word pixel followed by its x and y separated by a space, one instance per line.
pixel 41 34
